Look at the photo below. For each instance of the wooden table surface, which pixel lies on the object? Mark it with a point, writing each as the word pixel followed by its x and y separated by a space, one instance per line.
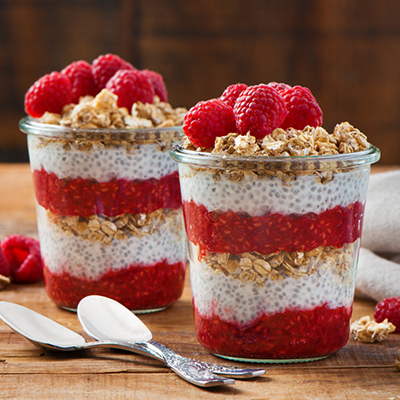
pixel 358 371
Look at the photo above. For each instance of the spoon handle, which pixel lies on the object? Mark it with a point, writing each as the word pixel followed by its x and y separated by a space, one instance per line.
pixel 178 363
pixel 186 368
pixel 192 372
pixel 232 372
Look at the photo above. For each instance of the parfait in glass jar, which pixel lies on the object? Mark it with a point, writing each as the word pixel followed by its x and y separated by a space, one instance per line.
pixel 273 208
pixel 108 199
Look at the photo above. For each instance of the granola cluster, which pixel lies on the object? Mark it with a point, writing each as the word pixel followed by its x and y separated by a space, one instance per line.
pixel 292 142
pixel 255 267
pixel 102 111
pixel 105 229
pixel 368 331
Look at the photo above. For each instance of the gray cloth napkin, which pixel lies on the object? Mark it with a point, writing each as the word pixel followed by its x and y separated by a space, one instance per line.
pixel 378 275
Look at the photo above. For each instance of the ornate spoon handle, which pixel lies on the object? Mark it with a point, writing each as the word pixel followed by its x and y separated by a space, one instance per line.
pixel 232 372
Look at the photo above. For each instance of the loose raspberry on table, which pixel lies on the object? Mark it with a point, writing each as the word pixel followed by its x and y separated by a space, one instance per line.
pixel 389 308
pixel 157 81
pixel 279 86
pixel 131 86
pixel 259 109
pixel 302 108
pixel 207 120
pixel 105 66
pixel 49 93
pixel 4 264
pixel 82 80
pixel 231 93
pixel 23 255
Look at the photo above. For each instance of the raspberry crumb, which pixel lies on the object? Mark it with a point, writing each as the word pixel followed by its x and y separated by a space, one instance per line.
pixel 389 309
pixel 23 255
pixel 208 120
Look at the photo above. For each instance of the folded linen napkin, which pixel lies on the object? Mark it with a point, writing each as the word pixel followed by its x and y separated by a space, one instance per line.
pixel 378 276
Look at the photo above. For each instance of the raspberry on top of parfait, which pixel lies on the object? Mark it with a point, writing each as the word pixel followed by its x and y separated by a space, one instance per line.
pixel 52 92
pixel 273 119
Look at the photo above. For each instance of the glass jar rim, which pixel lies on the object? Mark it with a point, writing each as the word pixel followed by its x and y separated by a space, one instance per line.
pixel 31 126
pixel 231 161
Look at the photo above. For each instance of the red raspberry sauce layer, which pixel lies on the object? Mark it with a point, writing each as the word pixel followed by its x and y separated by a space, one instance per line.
pixel 236 233
pixel 86 197
pixel 285 335
pixel 136 287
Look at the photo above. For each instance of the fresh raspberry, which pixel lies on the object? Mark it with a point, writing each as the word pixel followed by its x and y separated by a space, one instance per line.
pixel 157 81
pixel 131 86
pixel 259 109
pixel 82 81
pixel 389 308
pixel 105 66
pixel 302 108
pixel 279 87
pixel 207 120
pixel 4 264
pixel 49 93
pixel 23 254
pixel 231 93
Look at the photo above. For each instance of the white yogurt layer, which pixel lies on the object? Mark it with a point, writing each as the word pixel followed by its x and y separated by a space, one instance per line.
pixel 82 258
pixel 259 195
pixel 242 302
pixel 100 163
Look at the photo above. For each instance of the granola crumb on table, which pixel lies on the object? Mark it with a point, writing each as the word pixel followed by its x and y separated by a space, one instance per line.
pixel 369 331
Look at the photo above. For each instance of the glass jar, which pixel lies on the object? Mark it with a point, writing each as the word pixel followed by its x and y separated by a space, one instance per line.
pixel 109 214
pixel 273 250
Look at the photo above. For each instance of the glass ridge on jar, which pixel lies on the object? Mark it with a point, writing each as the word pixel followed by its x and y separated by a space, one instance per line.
pixel 109 214
pixel 273 250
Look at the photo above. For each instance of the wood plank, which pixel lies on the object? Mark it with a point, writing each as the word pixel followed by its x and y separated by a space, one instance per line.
pixel 279 383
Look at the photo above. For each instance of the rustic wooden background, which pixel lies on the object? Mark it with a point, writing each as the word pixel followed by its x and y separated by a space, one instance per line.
pixel 346 51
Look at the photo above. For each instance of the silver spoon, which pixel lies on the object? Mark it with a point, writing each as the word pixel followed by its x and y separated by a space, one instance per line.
pixel 105 319
pixel 46 333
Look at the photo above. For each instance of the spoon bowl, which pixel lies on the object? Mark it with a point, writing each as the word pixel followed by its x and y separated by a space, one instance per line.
pixel 105 319
pixel 40 330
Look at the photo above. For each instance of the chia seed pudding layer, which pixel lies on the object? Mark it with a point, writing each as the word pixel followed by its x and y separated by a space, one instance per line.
pixel 100 163
pixel 257 195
